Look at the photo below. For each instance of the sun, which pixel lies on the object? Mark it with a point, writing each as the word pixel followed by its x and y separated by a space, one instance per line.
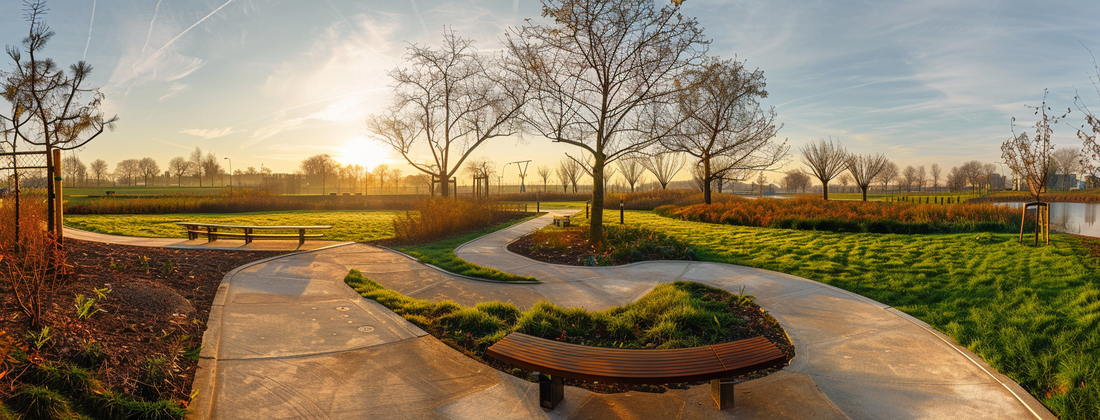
pixel 362 152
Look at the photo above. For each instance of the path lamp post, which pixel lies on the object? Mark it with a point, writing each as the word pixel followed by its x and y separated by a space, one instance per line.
pixel 230 173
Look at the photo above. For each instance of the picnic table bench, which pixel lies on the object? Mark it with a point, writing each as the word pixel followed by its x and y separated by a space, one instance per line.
pixel 213 231
pixel 632 366
pixel 561 221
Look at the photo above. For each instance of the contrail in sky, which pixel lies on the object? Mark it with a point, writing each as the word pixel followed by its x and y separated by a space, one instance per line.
pixel 151 22
pixel 190 28
pixel 416 11
pixel 89 32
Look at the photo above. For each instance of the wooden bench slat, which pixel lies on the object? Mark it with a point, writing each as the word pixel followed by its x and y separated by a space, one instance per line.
pixel 637 366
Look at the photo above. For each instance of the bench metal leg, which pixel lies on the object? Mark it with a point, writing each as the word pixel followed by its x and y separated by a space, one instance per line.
pixel 301 237
pixel 551 391
pixel 247 236
pixel 722 393
pixel 210 235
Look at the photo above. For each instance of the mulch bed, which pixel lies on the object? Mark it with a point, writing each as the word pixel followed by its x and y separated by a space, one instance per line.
pixel 158 306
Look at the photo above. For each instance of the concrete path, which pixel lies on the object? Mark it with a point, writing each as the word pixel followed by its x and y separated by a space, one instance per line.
pixel 201 243
pixel 287 338
pixel 869 359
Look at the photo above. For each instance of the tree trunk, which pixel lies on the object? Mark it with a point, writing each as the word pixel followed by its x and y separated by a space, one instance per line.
pixel 443 182
pixel 864 193
pixel 706 180
pixel 595 223
pixel 825 190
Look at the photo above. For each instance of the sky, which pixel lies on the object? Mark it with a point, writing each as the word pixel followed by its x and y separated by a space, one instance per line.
pixel 270 82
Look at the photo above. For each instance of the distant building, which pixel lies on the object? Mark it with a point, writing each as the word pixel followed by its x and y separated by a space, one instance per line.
pixel 1058 182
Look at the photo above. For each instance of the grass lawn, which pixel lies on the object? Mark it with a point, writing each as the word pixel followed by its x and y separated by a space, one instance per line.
pixel 441 254
pixel 358 226
pixel 1031 312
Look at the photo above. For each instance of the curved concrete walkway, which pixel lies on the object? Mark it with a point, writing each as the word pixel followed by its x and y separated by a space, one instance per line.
pixel 287 338
pixel 869 359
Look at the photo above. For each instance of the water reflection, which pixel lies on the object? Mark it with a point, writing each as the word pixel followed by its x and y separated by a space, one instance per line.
pixel 1079 218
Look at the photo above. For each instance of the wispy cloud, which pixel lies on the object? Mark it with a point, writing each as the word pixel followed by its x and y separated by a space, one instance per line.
pixel 416 13
pixel 185 31
pixel 90 24
pixel 176 89
pixel 174 144
pixel 210 133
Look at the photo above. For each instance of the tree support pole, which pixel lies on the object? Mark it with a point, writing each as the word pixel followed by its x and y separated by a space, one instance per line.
pixel 57 215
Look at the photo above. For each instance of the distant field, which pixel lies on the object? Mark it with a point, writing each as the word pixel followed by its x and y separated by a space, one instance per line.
pixel 551 205
pixel 93 191
pixel 359 226
pixel 888 197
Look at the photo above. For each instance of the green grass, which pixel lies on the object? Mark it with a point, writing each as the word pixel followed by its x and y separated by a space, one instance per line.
pixel 1031 312
pixel 672 315
pixel 358 226
pixel 441 254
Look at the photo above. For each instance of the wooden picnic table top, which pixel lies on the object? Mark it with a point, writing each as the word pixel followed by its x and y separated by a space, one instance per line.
pixel 637 366
pixel 251 226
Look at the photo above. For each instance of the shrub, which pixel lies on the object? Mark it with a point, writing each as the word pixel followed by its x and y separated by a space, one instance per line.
pixel 67 378
pixel 40 403
pixel 812 213
pixel 91 354
pixel 437 218
pixel 32 263
pixel 237 201
pixel 678 314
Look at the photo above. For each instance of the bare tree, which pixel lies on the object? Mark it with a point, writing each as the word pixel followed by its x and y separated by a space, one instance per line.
pixel 381 172
pixel 956 180
pixel 664 166
pixel 632 169
pixel 845 179
pixel 935 176
pixel 909 174
pixel 569 172
pixel 1067 161
pixel 722 117
pixel 826 161
pixel 99 170
pixel 320 166
pixel 1030 157
pixel 544 172
pixel 602 71
pixel 796 180
pixel 211 167
pixel 972 171
pixel 354 172
pixel 179 166
pixel 127 169
pixel 448 102
pixel 148 168
pixel 865 168
pixel 1089 133
pixel 886 175
pixel 195 158
pixel 922 177
pixel 51 109
pixel 74 169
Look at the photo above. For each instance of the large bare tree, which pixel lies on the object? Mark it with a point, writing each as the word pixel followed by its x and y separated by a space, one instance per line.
pixel 602 71
pixel 99 170
pixel 888 174
pixel 865 168
pixel 796 180
pixel 826 161
pixel 1089 133
pixel 720 116
pixel 149 168
pixel 664 166
pixel 448 101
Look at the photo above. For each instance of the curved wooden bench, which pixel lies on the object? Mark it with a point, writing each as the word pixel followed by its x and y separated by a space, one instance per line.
pixel 213 231
pixel 633 366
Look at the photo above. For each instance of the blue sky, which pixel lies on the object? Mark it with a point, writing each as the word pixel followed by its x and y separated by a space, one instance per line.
pixel 272 82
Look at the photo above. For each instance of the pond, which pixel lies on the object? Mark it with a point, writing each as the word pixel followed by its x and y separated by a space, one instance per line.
pixel 1078 218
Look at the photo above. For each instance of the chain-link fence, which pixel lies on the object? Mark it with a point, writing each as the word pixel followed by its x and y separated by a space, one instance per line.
pixel 28 169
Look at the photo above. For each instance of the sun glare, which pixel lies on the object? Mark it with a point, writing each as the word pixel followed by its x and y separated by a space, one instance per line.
pixel 362 152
